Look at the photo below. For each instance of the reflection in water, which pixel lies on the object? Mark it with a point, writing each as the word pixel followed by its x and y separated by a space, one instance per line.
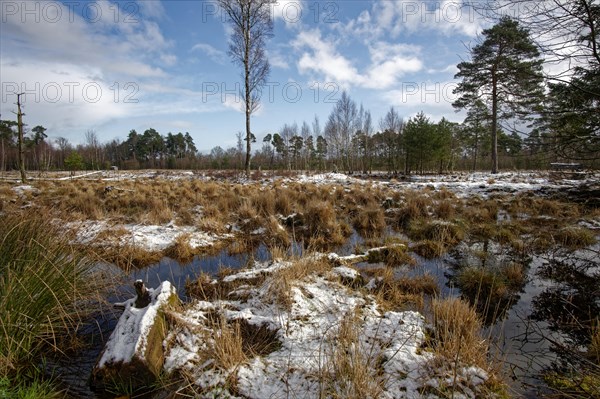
pixel 177 273
pixel 74 372
pixel 490 276
pixel 571 308
pixel 571 305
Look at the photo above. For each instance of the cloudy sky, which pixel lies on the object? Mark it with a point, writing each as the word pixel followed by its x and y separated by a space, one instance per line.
pixel 113 66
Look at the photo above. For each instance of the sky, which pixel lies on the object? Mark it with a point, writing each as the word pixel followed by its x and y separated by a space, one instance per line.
pixel 112 66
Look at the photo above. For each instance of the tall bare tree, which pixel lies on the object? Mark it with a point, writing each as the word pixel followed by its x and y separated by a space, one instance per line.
pixel 20 125
pixel 252 25
pixel 341 125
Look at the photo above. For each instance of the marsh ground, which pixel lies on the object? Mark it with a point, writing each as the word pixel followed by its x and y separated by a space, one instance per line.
pixel 518 249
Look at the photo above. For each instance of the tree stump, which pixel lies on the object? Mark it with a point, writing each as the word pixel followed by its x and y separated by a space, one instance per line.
pixel 133 355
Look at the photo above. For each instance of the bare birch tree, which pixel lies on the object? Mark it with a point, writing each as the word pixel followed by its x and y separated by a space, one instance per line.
pixel 252 25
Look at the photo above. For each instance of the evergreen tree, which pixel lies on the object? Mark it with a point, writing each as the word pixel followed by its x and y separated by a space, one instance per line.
pixel 505 73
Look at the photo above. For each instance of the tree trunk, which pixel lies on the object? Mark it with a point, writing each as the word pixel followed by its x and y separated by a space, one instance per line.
pixel 248 97
pixel 476 151
pixel 494 124
pixel 21 149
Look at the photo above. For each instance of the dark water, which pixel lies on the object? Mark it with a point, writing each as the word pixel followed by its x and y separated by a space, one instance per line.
pixel 75 371
pixel 535 331
pixel 524 335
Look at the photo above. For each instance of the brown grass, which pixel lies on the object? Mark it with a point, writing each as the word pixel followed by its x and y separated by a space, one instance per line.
pixel 212 224
pixel 393 255
pixel 181 250
pixel 205 288
pixel 416 206
pixel 129 257
pixel 276 234
pixel 480 211
pixel 352 374
pixel 429 249
pixel 227 344
pixel 444 232
pixel 323 228
pixel 444 210
pixel 257 340
pixel 369 221
pixel 574 237
pixel 482 231
pixel 594 351
pixel 457 333
pixel 401 293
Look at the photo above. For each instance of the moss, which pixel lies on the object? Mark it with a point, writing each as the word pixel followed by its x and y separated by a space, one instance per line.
pixel 575 385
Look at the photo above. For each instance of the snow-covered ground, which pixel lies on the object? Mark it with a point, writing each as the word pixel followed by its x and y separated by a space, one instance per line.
pixel 149 237
pixel 387 344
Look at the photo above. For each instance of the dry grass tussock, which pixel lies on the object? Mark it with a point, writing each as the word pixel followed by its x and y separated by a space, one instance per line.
pixel 181 250
pixel 414 206
pixel 457 333
pixel 398 293
pixel 480 211
pixel 282 281
pixel 490 290
pixel 436 237
pixel 323 227
pixel 369 221
pixel 128 257
pixel 352 369
pixel 574 237
pixel 207 288
pixel 393 255
pixel 227 344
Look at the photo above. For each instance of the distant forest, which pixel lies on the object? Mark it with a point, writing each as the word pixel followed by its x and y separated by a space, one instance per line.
pixel 416 145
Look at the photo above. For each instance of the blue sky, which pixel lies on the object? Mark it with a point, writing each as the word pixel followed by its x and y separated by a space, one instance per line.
pixel 116 66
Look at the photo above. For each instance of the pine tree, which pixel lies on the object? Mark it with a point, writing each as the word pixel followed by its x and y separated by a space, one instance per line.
pixel 505 73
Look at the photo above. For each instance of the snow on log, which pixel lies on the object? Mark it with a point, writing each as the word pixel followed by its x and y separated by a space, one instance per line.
pixel 134 352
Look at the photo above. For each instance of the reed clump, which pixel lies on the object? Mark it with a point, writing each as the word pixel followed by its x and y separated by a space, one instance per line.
pixel 47 289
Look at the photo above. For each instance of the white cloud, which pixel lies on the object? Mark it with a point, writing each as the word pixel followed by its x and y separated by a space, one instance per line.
pixel 64 96
pixel 84 71
pixel 389 62
pixel 322 58
pixel 391 18
pixel 106 41
pixel 149 8
pixel 449 69
pixel 278 61
pixel 217 56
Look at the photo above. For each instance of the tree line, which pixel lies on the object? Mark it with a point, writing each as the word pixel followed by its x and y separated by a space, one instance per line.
pixel 348 142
